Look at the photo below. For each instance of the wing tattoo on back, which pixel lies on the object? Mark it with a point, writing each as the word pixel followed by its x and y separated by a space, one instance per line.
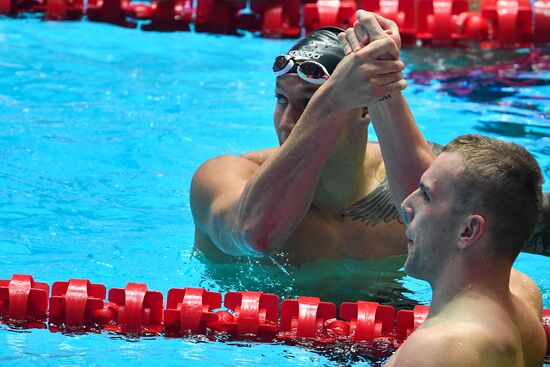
pixel 378 206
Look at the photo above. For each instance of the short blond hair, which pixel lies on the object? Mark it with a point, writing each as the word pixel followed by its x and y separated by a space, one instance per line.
pixel 503 181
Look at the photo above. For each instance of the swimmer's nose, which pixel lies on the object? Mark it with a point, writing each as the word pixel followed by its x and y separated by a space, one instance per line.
pixel 408 212
pixel 288 121
pixel 286 127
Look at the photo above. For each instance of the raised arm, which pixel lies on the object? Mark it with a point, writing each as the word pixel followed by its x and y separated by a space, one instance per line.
pixel 254 211
pixel 405 151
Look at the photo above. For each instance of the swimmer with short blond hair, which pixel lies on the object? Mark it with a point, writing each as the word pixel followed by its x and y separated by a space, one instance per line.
pixel 467 212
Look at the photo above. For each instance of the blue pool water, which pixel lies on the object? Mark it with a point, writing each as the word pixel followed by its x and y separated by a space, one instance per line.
pixel 101 129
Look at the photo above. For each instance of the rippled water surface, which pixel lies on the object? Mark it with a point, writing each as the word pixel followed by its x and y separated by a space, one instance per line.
pixel 101 129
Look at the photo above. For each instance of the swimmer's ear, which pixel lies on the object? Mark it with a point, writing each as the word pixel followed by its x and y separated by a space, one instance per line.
pixel 471 231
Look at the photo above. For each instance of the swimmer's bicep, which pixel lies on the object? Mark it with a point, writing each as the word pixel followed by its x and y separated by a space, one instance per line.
pixel 215 193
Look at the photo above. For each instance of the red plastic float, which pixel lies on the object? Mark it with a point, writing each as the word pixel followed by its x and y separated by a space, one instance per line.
pixel 139 11
pixel 217 16
pixel 8 7
pixel 281 19
pixel 305 318
pixel 189 310
pixel 255 314
pixel 324 13
pixel 76 304
pixel 400 11
pixel 438 21
pixel 541 33
pixel 109 11
pixel 170 15
pixel 368 320
pixel 64 9
pixel 24 301
pixel 474 27
pixel 138 310
pixel 13 7
pixel 511 21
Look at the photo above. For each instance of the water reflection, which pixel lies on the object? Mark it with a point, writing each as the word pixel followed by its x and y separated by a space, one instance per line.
pixel 480 75
pixel 335 281
pixel 501 93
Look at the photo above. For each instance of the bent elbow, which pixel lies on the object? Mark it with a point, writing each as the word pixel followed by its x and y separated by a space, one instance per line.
pixel 261 240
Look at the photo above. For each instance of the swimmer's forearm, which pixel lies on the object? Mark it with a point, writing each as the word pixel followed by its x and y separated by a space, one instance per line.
pixel 405 151
pixel 279 194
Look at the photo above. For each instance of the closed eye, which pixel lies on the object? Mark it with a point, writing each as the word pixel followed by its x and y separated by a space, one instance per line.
pixel 282 100
pixel 425 195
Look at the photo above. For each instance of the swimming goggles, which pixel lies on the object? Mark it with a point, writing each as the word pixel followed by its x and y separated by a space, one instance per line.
pixel 310 71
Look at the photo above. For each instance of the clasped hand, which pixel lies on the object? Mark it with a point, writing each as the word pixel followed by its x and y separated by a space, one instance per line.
pixel 371 69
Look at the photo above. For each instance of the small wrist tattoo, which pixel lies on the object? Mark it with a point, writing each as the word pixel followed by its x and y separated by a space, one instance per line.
pixel 384 98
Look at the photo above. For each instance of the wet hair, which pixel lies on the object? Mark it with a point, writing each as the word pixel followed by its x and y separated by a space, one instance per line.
pixel 321 45
pixel 503 181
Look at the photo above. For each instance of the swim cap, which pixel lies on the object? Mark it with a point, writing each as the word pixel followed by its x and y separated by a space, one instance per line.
pixel 321 45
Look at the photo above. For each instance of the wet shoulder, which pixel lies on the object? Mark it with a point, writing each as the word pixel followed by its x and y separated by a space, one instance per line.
pixel 463 342
pixel 443 344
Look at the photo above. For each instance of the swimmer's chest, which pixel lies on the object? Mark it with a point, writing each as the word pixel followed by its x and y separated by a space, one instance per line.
pixel 318 237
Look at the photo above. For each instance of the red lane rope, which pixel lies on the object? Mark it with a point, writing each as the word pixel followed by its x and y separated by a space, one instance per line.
pixel 500 23
pixel 79 305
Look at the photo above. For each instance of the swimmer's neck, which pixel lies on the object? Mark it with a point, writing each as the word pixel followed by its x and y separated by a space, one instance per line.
pixel 344 178
pixel 467 280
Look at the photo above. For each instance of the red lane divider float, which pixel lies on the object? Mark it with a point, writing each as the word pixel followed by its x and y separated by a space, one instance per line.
pixel 368 320
pixel 79 305
pixel 24 301
pixel 402 12
pixel 138 310
pixel 501 23
pixel 514 19
pixel 189 310
pixel 305 318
